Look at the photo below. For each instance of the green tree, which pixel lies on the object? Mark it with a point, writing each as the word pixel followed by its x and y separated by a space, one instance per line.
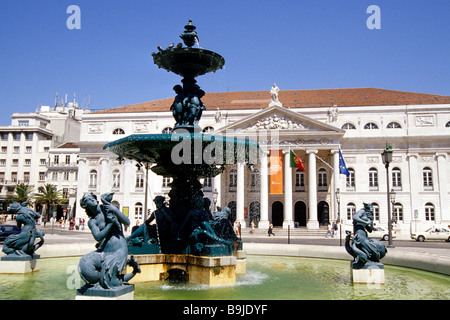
pixel 22 193
pixel 49 195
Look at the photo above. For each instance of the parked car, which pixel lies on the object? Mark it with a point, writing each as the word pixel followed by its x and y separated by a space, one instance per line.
pixel 7 230
pixel 432 234
pixel 381 233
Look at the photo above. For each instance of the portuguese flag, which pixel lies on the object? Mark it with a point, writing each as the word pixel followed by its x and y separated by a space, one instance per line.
pixel 296 162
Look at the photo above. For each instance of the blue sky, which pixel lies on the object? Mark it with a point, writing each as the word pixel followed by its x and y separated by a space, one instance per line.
pixel 299 44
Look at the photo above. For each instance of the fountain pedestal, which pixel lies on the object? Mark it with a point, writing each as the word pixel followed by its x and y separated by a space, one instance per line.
pixel 18 265
pixel 125 292
pixel 370 273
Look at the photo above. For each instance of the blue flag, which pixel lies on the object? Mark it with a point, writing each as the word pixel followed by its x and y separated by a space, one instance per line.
pixel 342 167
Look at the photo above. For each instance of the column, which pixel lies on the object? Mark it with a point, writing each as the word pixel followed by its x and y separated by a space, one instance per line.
pixel 312 223
pixel 240 190
pixel 414 184
pixel 264 193
pixel 82 189
pixel 287 221
pixel 104 181
pixel 442 165
pixel 337 183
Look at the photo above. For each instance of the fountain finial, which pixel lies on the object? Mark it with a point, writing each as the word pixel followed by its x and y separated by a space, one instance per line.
pixel 189 35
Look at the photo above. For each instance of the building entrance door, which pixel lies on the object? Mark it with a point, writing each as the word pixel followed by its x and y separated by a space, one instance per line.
pixel 277 214
pixel 300 215
pixel 323 213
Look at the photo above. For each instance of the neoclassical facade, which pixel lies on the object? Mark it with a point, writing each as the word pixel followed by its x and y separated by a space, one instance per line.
pixel 315 125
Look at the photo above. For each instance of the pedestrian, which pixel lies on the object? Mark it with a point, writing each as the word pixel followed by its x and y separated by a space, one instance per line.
pixel 335 229
pixel 329 232
pixel 253 227
pixel 45 222
pixel 270 231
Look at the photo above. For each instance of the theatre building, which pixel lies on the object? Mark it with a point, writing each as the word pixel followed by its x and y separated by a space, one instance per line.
pixel 313 125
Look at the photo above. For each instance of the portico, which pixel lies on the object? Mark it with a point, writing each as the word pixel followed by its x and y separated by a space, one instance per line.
pixel 283 195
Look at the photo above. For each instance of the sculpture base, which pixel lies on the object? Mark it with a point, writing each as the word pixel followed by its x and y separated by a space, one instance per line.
pixel 125 292
pixel 211 271
pixel 15 264
pixel 144 249
pixel 369 273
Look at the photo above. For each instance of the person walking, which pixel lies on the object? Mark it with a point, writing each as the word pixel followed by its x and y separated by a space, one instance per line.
pixel 270 231
pixel 329 232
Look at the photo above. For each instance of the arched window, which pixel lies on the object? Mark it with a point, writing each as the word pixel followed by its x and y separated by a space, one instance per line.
pixel 255 180
pixel 139 179
pixel 351 210
pixel 233 180
pixel 348 126
pixel 208 129
pixel 370 126
pixel 116 179
pixel 429 212
pixel 373 179
pixel 299 180
pixel 427 175
pixel 350 180
pixel 118 131
pixel 397 212
pixel 396 179
pixel 394 125
pixel 167 130
pixel 376 211
pixel 322 179
pixel 93 179
pixel 447 125
pixel 138 211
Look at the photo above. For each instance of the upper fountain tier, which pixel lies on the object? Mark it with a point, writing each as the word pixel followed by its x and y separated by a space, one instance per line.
pixel 188 62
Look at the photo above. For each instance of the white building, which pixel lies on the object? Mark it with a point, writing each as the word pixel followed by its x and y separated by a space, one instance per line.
pixel 315 124
pixel 26 145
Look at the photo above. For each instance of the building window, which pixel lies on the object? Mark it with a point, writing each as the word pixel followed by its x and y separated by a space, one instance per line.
pixel 28 149
pixel 28 136
pixel 2 162
pixel 322 180
pixel 116 179
pixel 350 180
pixel 396 179
pixel 15 162
pixel 370 126
pixel 427 178
pixel 167 130
pixel 4 149
pixel 55 176
pixel 255 180
pixel 429 212
pixel 93 179
pixel 67 159
pixel 28 162
pixel 24 123
pixel 56 159
pixel 394 125
pixel 139 179
pixel 5 136
pixel 299 180
pixel 138 211
pixel 43 162
pixel 16 136
pixel 208 129
pixel 376 212
pixel 166 182
pixel 348 126
pixel 41 176
pixel 207 182
pixel 397 212
pixel 16 149
pixel 373 179
pixel 447 125
pixel 351 210
pixel 233 180
pixel 118 131
pixel 66 176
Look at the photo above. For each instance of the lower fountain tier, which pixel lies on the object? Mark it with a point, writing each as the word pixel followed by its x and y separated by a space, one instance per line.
pixel 211 271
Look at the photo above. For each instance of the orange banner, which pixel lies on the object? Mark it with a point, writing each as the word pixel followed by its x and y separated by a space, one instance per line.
pixel 276 172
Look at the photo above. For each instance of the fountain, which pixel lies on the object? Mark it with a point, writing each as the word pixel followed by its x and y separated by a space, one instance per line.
pixel 187 240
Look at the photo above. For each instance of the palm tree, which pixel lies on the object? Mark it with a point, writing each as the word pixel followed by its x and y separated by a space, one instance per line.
pixel 23 193
pixel 49 195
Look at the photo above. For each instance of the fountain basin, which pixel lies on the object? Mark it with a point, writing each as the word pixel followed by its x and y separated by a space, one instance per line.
pixel 189 62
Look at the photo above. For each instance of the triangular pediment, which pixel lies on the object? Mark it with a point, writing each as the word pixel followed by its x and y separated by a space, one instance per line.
pixel 281 119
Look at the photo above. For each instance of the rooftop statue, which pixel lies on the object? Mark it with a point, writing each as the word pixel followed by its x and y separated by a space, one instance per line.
pixel 364 250
pixel 23 245
pixel 103 268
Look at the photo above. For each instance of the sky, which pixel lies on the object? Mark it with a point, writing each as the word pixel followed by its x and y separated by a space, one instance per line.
pixel 297 44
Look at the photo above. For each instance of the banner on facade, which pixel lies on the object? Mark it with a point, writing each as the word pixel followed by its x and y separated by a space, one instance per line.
pixel 276 172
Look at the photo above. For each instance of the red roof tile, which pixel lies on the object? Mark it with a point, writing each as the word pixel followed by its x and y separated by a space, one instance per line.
pixel 296 99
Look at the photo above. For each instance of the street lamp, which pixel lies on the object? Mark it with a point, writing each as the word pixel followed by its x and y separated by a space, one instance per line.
pixel 338 200
pixel 387 159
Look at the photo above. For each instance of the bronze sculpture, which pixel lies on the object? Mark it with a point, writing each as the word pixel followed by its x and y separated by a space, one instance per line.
pixel 22 246
pixel 102 269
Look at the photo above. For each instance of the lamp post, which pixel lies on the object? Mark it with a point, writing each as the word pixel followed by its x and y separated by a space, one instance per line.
pixel 387 159
pixel 338 200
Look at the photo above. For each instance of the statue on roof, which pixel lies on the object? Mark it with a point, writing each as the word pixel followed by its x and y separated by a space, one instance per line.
pixel 274 95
